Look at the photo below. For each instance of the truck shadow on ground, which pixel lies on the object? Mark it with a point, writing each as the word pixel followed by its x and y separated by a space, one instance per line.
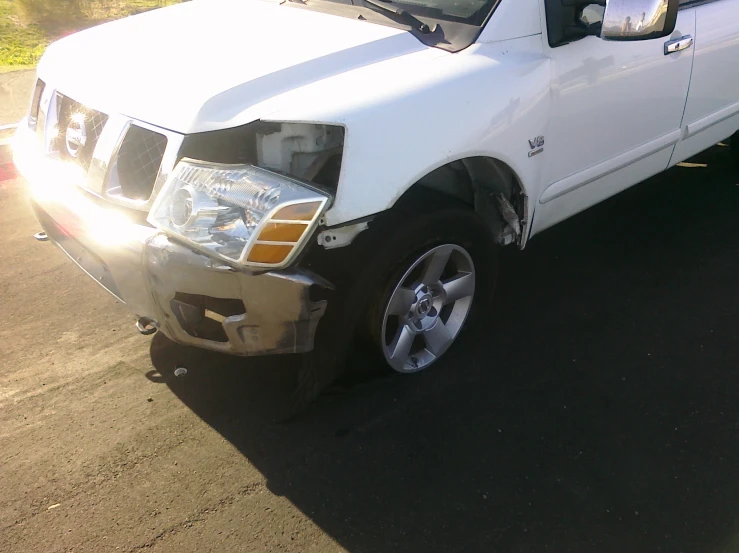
pixel 599 409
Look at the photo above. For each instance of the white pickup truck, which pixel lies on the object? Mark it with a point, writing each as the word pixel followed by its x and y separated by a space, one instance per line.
pixel 263 176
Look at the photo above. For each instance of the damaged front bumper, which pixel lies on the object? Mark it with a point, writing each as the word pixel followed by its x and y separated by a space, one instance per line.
pixel 192 298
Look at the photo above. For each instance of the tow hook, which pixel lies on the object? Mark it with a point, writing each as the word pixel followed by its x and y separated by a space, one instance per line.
pixel 146 326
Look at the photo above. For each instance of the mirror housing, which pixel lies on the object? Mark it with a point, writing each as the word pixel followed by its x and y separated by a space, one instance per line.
pixel 631 20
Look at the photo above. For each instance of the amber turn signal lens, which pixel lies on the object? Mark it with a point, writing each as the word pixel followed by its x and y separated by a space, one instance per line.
pixel 269 253
pixel 298 212
pixel 282 232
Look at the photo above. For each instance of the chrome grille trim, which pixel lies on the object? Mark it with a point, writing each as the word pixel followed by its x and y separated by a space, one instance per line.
pixel 105 153
pixel 48 119
pixel 38 93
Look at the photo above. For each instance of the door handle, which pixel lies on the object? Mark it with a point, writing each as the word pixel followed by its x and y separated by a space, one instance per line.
pixel 678 45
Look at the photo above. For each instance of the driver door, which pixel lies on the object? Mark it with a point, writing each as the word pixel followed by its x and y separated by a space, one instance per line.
pixel 617 109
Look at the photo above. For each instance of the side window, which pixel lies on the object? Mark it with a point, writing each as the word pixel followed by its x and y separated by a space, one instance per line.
pixel 592 14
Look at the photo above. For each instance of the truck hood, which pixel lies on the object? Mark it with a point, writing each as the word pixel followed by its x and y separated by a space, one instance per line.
pixel 196 66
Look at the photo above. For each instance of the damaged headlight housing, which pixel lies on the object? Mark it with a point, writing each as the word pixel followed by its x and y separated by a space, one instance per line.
pixel 240 213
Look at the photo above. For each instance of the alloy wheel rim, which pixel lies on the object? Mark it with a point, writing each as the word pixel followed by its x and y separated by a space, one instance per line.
pixel 428 308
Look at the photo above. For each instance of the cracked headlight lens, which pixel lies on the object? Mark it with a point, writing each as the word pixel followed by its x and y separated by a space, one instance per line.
pixel 239 213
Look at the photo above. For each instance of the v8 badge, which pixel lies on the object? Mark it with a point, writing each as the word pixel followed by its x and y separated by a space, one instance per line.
pixel 536 145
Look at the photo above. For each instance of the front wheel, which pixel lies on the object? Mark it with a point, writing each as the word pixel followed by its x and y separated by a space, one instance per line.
pixel 428 308
pixel 444 268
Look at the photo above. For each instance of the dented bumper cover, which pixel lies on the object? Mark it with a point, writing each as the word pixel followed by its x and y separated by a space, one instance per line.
pixel 181 290
pixel 190 297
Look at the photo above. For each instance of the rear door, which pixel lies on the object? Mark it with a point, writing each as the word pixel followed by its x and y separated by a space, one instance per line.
pixel 712 110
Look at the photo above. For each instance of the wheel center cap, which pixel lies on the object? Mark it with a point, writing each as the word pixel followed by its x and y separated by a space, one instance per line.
pixel 424 306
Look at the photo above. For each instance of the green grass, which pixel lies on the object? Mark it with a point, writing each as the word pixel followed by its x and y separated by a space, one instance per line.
pixel 27 27
pixel 20 44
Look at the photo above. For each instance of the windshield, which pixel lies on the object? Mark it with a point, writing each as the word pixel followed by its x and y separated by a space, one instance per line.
pixel 451 25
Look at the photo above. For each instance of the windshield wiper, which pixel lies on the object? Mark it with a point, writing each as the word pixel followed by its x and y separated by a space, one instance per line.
pixel 400 13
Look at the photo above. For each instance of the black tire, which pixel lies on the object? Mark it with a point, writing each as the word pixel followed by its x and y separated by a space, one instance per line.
pixel 363 272
pixel 735 149
pixel 442 222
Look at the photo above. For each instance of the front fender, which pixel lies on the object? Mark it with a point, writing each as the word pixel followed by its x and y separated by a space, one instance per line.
pixel 409 115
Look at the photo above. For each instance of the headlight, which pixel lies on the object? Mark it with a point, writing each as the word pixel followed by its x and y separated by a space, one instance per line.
pixel 240 213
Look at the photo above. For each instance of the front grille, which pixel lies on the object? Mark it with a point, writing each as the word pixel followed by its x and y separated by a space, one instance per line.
pixel 139 160
pixel 73 144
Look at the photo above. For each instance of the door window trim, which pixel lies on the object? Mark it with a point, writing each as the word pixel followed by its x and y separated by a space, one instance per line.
pixel 686 4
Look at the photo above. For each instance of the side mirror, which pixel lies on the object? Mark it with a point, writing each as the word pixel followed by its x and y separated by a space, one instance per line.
pixel 639 19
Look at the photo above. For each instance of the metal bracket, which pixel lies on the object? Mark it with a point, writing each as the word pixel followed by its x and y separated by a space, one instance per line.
pixel 340 237
pixel 507 237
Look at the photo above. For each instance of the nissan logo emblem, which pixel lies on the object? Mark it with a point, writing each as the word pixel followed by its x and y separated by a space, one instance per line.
pixel 76 135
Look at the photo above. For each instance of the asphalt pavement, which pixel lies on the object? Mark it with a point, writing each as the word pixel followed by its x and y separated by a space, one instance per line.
pixel 598 410
pixel 15 92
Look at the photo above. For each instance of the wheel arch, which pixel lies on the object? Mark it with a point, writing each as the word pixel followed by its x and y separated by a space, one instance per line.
pixel 481 182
